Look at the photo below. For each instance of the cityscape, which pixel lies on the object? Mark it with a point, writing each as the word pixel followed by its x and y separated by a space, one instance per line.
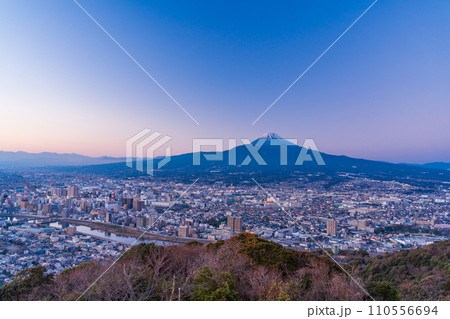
pixel 217 151
pixel 62 221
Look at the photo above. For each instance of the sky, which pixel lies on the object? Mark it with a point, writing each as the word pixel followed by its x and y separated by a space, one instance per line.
pixel 381 92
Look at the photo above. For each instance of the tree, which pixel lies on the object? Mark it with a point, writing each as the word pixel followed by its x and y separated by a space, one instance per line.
pixel 383 290
pixel 29 284
pixel 211 286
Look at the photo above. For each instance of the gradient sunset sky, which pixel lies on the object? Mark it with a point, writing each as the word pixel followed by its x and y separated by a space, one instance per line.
pixel 382 92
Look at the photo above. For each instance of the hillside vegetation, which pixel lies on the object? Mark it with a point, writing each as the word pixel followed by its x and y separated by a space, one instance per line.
pixel 414 274
pixel 245 267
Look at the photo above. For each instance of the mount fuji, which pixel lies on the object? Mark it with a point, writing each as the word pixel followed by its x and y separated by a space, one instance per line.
pixel 268 148
pixel 271 136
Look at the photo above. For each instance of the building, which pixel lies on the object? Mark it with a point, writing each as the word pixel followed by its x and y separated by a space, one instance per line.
pixel 234 223
pixel 127 203
pixel 84 207
pixel 331 227
pixel 361 225
pixel 23 203
pixel 183 231
pixel 138 205
pixel 73 191
pixel 237 227
pixel 152 220
pixel 141 222
pixel 59 192
pixel 71 230
pixel 46 209
pixel 65 213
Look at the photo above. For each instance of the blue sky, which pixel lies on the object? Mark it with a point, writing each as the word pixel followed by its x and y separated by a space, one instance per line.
pixel 382 92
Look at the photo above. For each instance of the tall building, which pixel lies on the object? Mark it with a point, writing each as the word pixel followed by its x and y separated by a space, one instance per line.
pixel 237 227
pixel 127 203
pixel 183 231
pixel 46 209
pixel 59 192
pixel 331 227
pixel 152 220
pixel 73 191
pixel 234 223
pixel 138 205
pixel 141 222
pixel 65 213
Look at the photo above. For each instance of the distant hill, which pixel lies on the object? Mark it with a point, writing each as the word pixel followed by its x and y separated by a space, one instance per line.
pixel 435 165
pixel 44 159
pixel 334 164
pixel 243 162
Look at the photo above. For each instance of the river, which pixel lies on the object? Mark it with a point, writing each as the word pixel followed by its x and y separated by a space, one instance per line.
pixel 85 230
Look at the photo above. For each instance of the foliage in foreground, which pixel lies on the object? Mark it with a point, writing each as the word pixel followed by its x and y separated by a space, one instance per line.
pixel 244 268
pixel 413 274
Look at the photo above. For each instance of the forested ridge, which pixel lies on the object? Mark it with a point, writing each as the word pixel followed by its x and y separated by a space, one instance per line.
pixel 245 267
pixel 412 274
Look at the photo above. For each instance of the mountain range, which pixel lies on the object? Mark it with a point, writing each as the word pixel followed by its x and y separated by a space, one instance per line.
pixel 235 160
pixel 244 162
pixel 45 159
pixel 436 165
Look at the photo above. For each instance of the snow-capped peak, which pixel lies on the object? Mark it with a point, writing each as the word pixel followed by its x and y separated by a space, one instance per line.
pixel 271 136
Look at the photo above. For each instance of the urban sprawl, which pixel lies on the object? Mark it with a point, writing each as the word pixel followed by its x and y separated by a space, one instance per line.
pixel 63 221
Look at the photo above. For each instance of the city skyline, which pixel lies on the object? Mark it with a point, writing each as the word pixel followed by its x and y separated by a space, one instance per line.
pixel 226 151
pixel 380 93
